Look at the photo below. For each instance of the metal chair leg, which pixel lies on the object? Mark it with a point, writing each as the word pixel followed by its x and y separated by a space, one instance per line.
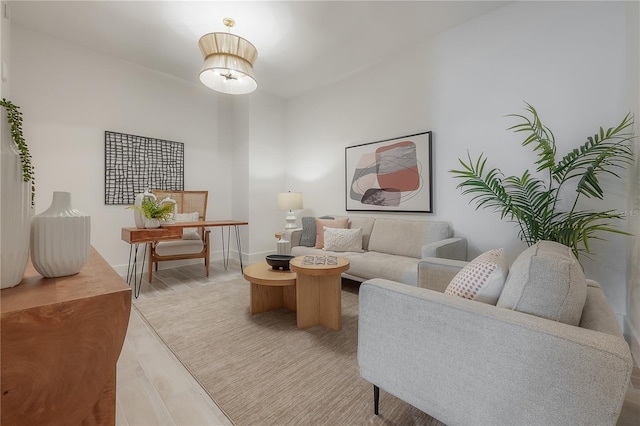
pixel 376 399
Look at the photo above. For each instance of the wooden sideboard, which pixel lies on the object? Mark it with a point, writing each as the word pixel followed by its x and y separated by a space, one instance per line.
pixel 61 339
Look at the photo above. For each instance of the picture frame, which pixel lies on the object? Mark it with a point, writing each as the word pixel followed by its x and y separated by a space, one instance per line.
pixel 134 164
pixel 391 175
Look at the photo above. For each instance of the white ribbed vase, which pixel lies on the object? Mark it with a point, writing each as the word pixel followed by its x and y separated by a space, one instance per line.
pixel 60 238
pixel 16 212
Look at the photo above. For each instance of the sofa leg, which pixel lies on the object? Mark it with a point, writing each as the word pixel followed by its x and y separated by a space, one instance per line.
pixel 376 399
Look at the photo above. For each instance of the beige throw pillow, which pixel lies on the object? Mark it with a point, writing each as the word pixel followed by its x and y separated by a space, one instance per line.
pixel 189 233
pixel 481 279
pixel 338 239
pixel 341 222
pixel 547 281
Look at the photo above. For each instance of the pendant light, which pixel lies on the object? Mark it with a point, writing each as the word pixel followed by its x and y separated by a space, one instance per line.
pixel 228 62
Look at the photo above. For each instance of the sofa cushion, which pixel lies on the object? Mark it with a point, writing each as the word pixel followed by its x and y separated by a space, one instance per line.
pixel 406 237
pixel 482 279
pixel 339 240
pixel 546 280
pixel 173 248
pixel 372 264
pixel 340 222
pixel 364 223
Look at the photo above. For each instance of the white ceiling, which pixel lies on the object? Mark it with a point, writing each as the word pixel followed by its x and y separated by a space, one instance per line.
pixel 301 45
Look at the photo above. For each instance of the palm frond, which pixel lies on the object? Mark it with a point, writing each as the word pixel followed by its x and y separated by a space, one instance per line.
pixel 576 229
pixel 486 188
pixel 541 135
pixel 600 154
pixel 531 201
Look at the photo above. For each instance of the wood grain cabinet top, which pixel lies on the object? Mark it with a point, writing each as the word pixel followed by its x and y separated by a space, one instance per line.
pixel 61 339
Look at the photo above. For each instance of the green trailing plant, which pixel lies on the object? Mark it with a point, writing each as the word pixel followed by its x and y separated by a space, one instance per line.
pixel 14 117
pixel 154 209
pixel 534 203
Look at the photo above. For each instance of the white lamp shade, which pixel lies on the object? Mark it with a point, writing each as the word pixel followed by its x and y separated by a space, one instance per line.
pixel 228 63
pixel 289 201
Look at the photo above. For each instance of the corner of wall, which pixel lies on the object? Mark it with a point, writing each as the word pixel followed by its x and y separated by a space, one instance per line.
pixel 5 35
pixel 632 320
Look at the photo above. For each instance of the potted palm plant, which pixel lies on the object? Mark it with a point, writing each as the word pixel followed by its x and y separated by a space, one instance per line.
pixel 154 211
pixel 534 203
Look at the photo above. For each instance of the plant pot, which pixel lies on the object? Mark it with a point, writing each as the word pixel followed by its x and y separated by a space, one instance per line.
pixel 60 238
pixel 151 223
pixel 138 216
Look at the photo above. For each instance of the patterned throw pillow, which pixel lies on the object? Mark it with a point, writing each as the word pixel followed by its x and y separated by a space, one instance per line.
pixel 481 279
pixel 340 222
pixel 336 239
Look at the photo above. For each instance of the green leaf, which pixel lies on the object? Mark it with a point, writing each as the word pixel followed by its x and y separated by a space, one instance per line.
pixel 531 202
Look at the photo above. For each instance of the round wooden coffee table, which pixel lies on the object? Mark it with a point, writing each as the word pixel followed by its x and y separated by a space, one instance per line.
pixel 270 289
pixel 318 290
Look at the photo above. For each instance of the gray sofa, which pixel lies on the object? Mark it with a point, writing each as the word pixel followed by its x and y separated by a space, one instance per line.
pixel 466 362
pixel 392 248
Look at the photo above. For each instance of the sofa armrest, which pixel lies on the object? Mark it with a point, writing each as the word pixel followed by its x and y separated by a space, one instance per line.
pixel 435 273
pixel 465 362
pixel 449 248
pixel 292 235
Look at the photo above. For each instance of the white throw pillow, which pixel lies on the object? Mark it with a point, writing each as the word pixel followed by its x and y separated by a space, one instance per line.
pixel 342 239
pixel 341 222
pixel 482 279
pixel 189 233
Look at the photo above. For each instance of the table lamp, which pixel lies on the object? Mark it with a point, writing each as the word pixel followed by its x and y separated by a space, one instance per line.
pixel 289 201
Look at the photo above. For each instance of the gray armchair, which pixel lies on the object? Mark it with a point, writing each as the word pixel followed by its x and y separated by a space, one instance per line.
pixel 465 362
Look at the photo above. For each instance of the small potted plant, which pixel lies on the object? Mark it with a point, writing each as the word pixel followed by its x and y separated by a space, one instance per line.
pixel 154 211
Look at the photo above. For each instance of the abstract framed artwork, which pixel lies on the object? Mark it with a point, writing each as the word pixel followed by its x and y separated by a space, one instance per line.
pixel 134 164
pixel 390 175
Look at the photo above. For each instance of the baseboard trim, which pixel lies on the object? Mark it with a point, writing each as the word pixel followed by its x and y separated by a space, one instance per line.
pixel 215 256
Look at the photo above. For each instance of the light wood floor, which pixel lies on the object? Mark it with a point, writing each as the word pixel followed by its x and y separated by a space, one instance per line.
pixel 154 388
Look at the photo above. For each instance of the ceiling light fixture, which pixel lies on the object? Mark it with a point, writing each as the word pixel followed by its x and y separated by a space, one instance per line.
pixel 228 62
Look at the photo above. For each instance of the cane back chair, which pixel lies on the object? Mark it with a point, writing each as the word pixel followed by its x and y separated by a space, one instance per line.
pixel 191 206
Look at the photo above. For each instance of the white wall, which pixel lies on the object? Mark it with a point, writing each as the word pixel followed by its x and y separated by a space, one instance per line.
pixel 5 57
pixel 633 247
pixel 259 170
pixel 267 170
pixel 567 59
pixel 70 95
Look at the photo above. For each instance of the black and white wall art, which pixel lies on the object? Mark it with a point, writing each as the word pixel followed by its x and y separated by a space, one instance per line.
pixel 136 163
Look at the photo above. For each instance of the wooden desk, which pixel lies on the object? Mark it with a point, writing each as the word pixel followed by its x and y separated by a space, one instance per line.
pixel 61 339
pixel 173 231
pixel 143 235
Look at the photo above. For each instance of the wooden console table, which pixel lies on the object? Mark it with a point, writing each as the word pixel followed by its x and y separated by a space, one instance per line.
pixel 61 339
pixel 173 231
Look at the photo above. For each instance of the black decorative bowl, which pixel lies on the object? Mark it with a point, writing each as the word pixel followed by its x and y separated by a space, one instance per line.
pixel 279 261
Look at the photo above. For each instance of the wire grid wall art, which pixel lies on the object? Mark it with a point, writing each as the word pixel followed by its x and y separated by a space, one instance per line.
pixel 134 164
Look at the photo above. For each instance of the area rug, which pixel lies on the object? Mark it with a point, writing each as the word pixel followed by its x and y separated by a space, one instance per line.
pixel 262 370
